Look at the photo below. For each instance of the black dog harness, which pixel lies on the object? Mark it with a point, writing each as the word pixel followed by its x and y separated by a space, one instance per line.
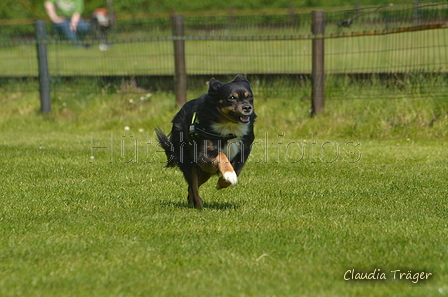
pixel 195 131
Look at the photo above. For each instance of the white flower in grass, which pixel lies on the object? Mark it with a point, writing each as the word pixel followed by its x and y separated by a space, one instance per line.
pixel 127 128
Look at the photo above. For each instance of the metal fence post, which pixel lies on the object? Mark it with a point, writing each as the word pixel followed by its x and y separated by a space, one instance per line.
pixel 231 18
pixel 292 15
pixel 416 13
pixel 180 75
pixel 317 72
pixel 42 59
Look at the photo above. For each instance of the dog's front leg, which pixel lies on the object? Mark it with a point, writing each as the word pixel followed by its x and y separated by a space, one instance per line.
pixel 237 164
pixel 211 160
pixel 229 176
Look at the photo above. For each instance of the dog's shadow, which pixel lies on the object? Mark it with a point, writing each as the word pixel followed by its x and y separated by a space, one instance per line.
pixel 212 205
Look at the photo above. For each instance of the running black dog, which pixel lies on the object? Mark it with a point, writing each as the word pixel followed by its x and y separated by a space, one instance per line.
pixel 212 134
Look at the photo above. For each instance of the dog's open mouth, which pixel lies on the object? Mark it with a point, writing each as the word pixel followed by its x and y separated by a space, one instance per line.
pixel 244 119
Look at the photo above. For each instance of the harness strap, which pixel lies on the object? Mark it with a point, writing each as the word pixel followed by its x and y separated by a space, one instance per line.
pixel 195 131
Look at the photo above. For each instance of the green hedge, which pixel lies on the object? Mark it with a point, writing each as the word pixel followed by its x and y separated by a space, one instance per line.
pixel 10 9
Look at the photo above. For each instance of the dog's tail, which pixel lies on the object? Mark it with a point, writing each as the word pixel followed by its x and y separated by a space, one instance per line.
pixel 166 144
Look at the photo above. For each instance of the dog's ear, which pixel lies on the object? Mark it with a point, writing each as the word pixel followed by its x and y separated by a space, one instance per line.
pixel 214 85
pixel 240 78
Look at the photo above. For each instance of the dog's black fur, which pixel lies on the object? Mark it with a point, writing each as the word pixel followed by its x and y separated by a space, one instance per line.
pixel 212 134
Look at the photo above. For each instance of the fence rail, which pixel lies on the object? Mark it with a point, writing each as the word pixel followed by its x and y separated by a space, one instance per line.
pixel 391 40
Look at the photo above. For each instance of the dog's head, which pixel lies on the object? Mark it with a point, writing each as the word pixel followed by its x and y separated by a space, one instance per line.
pixel 233 100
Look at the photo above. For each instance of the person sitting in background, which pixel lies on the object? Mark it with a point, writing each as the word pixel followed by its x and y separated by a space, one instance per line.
pixel 66 17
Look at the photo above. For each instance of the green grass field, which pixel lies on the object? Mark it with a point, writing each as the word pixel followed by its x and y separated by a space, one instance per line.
pixel 359 188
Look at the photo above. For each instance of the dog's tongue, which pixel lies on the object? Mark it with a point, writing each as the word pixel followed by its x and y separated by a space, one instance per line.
pixel 244 119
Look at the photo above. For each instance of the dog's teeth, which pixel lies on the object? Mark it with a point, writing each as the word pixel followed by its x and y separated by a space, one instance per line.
pixel 244 118
pixel 231 177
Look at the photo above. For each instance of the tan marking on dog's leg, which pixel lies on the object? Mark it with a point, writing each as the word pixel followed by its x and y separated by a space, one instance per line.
pixel 229 176
pixel 195 188
pixel 224 184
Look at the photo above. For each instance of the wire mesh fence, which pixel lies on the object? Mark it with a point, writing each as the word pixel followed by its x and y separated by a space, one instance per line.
pixel 401 47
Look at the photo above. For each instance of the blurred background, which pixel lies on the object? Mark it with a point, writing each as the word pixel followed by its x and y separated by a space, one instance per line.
pixel 370 46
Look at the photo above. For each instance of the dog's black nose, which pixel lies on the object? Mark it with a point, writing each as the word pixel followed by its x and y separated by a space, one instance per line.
pixel 247 108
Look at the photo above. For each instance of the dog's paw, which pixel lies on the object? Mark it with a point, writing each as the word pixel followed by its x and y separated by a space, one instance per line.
pixel 229 178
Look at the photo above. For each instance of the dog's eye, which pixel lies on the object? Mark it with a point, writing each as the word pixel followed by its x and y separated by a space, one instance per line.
pixel 232 97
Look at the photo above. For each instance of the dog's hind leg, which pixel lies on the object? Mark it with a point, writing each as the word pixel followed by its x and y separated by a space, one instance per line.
pixel 190 197
pixel 222 183
pixel 193 189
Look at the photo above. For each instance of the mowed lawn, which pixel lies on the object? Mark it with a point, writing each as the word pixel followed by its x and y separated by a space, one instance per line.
pixel 87 212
